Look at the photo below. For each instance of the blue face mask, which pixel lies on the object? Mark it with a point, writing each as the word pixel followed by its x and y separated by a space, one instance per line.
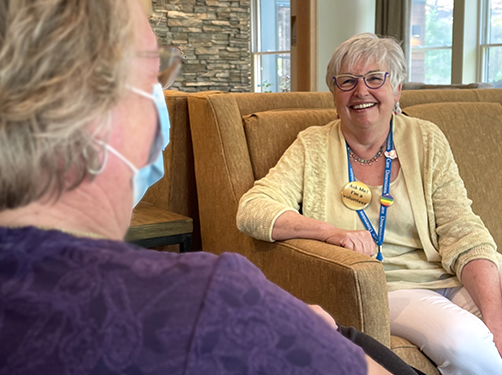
pixel 153 171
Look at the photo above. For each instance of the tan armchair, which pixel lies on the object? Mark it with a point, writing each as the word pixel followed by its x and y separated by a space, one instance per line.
pixel 236 139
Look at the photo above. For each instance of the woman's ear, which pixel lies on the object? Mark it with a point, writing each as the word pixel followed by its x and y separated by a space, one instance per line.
pixel 397 93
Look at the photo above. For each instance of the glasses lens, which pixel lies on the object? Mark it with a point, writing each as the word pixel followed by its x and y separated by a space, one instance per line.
pixel 169 55
pixel 346 82
pixel 375 80
pixel 171 59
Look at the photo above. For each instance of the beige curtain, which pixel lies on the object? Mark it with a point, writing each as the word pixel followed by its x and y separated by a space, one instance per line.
pixel 393 18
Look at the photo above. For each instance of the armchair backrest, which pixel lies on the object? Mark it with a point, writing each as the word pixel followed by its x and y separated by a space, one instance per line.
pixel 237 138
pixel 414 97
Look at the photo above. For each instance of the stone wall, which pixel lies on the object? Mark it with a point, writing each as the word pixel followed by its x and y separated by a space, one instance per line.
pixel 215 36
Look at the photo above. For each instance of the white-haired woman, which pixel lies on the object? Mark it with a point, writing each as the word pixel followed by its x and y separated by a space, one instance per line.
pixel 83 120
pixel 440 260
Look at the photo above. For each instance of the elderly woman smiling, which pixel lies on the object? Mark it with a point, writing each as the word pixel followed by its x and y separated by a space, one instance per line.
pixel 383 184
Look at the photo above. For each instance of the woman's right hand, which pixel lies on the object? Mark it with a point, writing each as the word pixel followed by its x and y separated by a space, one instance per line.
pixel 291 224
pixel 356 240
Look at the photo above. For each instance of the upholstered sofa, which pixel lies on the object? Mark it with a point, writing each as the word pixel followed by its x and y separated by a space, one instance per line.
pixel 236 138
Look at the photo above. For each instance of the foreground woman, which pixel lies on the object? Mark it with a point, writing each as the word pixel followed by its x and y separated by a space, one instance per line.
pixel 386 185
pixel 82 124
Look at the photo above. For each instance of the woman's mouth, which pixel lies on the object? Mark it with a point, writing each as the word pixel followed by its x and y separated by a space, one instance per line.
pixel 362 106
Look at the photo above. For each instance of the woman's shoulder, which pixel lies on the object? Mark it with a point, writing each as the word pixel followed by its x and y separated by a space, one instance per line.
pixel 241 305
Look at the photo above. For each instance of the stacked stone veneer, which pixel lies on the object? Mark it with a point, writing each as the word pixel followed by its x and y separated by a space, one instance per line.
pixel 215 36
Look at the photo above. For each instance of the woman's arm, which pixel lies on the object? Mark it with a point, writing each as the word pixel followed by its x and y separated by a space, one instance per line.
pixel 482 281
pixel 270 210
pixel 465 245
pixel 374 368
pixel 283 334
pixel 462 236
pixel 280 191
pixel 291 224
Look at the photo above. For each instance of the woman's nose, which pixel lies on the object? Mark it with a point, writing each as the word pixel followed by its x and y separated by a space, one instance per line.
pixel 361 89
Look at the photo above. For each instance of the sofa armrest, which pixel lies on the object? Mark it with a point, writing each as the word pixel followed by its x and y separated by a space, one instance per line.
pixel 348 285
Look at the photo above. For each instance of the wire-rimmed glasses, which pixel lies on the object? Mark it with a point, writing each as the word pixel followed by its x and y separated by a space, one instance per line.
pixel 171 59
pixel 372 80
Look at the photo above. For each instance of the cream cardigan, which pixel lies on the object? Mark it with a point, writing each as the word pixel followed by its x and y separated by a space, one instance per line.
pixel 448 229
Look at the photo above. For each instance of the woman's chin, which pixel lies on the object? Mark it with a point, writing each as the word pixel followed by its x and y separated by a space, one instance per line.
pixel 362 122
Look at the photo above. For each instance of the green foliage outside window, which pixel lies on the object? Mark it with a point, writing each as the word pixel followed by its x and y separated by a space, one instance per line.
pixel 438 33
pixel 494 55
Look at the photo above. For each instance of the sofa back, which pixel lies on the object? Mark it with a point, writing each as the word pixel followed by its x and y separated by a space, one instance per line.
pixel 414 97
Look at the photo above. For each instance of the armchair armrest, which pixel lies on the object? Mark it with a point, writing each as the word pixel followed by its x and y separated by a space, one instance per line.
pixel 348 285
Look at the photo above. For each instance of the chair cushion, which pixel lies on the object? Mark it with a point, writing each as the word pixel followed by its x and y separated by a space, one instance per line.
pixel 270 133
pixel 474 131
pixel 250 103
pixel 412 356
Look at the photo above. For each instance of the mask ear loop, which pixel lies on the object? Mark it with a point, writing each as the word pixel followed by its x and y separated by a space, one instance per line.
pixel 99 170
pixel 141 92
pixel 118 154
pixel 85 154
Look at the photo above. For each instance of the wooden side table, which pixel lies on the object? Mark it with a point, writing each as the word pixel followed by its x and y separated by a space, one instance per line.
pixel 152 226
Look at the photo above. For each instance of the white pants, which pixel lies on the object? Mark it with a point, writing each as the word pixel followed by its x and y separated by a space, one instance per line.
pixel 446 325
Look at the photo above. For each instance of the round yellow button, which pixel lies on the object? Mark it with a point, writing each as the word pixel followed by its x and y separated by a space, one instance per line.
pixel 356 195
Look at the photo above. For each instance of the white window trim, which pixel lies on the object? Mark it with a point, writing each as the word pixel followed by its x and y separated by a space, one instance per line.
pixel 469 41
pixel 482 37
pixel 256 46
pixel 483 45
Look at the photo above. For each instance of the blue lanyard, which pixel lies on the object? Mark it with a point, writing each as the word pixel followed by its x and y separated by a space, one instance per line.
pixel 378 238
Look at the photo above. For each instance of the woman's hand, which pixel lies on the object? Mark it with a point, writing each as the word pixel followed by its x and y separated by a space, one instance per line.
pixel 496 330
pixel 356 240
pixel 374 368
pixel 291 224
pixel 323 314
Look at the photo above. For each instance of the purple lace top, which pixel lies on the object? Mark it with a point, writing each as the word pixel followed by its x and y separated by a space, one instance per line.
pixel 81 306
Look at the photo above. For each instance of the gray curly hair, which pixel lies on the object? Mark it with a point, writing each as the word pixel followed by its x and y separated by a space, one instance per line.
pixel 63 67
pixel 372 49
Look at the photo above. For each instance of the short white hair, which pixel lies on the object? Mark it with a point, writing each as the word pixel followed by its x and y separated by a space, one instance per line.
pixel 370 48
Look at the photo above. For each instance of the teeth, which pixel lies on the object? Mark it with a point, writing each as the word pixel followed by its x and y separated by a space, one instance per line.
pixel 364 105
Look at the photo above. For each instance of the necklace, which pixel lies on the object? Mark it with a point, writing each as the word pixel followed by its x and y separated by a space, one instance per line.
pixel 366 161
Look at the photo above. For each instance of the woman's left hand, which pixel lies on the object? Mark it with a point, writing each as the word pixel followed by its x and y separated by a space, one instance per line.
pixel 323 314
pixel 496 330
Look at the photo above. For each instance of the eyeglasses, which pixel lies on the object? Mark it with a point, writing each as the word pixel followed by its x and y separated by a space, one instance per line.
pixel 373 80
pixel 171 59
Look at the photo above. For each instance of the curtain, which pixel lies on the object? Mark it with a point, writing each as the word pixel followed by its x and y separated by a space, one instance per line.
pixel 393 18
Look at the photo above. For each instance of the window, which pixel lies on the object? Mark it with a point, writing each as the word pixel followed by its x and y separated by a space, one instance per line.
pixel 431 41
pixel 270 46
pixel 491 42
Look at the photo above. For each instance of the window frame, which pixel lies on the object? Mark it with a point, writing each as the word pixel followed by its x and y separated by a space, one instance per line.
pixel 256 52
pixel 424 49
pixel 483 45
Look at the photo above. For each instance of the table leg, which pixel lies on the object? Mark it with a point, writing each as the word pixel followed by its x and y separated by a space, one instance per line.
pixel 186 243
